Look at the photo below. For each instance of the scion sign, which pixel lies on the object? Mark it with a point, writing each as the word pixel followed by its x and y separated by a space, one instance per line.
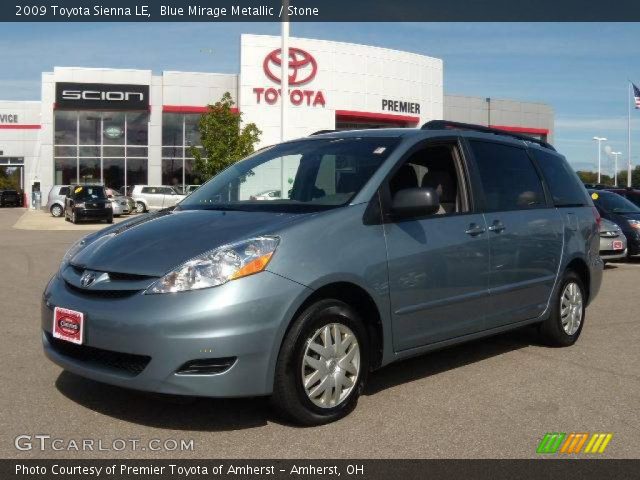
pixel 100 96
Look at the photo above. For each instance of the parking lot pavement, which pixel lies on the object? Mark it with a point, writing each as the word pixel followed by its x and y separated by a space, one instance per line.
pixel 42 220
pixel 493 398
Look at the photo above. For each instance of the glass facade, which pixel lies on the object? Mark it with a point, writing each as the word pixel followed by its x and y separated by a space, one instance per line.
pixel 179 134
pixel 101 147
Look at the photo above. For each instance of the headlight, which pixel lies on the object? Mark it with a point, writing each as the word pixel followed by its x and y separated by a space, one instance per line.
pixel 218 266
pixel 635 224
pixel 79 205
pixel 109 205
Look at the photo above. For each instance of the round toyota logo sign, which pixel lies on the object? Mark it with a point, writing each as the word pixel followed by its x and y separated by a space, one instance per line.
pixel 302 66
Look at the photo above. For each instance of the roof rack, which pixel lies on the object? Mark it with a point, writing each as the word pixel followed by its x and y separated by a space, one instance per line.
pixel 447 125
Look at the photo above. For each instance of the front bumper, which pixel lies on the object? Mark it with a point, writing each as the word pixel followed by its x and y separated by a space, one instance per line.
pixel 245 319
pixel 93 214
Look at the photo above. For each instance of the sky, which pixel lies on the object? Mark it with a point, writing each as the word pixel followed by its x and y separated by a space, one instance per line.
pixel 581 70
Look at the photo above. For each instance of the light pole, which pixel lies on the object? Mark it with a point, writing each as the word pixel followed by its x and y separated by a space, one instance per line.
pixel 599 140
pixel 615 162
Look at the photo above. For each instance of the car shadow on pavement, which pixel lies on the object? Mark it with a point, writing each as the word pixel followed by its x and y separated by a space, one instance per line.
pixel 165 411
pixel 448 359
pixel 206 414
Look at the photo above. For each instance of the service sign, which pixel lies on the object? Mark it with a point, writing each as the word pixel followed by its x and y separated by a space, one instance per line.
pixel 102 96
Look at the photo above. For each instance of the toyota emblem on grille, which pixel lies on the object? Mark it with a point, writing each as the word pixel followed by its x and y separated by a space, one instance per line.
pixel 87 278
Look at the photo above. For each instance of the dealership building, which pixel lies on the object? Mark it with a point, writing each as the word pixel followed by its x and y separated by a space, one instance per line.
pixel 125 127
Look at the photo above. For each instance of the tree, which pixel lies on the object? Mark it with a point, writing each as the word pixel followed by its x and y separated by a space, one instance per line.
pixel 224 139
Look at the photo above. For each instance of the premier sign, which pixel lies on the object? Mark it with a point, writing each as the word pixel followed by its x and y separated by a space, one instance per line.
pixel 100 96
pixel 400 106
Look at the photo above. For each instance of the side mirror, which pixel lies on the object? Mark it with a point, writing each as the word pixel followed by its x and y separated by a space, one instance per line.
pixel 415 202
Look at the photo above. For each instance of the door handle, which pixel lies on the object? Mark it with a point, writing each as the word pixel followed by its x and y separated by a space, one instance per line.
pixel 497 226
pixel 474 230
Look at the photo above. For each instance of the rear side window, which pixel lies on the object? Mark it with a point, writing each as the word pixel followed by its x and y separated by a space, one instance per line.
pixel 64 191
pixel 566 188
pixel 509 179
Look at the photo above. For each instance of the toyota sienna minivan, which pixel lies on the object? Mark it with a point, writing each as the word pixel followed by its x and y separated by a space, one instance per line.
pixel 385 245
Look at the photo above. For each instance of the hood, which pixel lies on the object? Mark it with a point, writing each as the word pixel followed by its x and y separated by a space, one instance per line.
pixel 156 243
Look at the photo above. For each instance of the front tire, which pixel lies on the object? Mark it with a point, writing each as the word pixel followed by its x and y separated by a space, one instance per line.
pixel 56 211
pixel 74 219
pixel 322 365
pixel 564 325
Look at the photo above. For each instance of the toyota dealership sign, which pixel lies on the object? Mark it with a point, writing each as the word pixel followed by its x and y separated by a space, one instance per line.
pixel 303 68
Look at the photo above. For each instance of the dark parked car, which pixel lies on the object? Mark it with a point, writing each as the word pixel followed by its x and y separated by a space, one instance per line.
pixel 88 202
pixel 621 212
pixel 631 194
pixel 390 243
pixel 9 198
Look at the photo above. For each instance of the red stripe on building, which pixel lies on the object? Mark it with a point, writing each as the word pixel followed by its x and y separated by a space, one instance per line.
pixel 377 117
pixel 188 109
pixel 525 130
pixel 16 126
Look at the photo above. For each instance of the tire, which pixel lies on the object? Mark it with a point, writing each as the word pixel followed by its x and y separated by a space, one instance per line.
pixel 290 397
pixel 74 219
pixel 140 207
pixel 110 219
pixel 56 211
pixel 560 330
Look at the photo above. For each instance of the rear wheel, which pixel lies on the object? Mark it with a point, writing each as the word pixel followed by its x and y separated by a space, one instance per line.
pixel 564 325
pixel 74 218
pixel 56 211
pixel 140 208
pixel 323 364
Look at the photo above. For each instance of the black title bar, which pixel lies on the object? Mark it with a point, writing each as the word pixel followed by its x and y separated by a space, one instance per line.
pixel 318 11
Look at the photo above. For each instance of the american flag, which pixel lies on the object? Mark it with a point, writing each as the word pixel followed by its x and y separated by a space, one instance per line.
pixel 636 95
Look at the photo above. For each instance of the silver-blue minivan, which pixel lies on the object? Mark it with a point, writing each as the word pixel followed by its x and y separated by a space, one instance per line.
pixel 384 244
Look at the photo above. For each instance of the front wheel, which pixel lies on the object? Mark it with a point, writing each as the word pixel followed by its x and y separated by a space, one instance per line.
pixel 564 325
pixel 56 211
pixel 322 365
pixel 74 218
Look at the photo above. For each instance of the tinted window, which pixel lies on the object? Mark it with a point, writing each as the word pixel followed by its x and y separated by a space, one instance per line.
pixel 148 190
pixel 566 188
pixel 612 202
pixel 64 191
pixel 88 193
pixel 509 179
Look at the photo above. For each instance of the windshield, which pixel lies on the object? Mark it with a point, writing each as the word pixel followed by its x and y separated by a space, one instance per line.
pixel 614 203
pixel 88 193
pixel 307 175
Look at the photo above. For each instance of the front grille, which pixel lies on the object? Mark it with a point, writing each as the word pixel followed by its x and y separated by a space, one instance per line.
pixel 101 293
pixel 126 363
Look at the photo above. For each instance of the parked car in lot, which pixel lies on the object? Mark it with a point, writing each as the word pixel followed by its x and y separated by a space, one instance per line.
pixel 56 199
pixel 9 198
pixel 88 202
pixel 631 194
pixel 390 244
pixel 621 212
pixel 267 195
pixel 120 203
pixel 613 243
pixel 150 197
pixel 189 189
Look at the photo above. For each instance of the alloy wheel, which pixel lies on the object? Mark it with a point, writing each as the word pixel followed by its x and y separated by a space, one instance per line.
pixel 56 211
pixel 571 308
pixel 330 365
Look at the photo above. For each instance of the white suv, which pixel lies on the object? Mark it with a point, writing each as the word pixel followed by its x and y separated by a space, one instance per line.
pixel 154 197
